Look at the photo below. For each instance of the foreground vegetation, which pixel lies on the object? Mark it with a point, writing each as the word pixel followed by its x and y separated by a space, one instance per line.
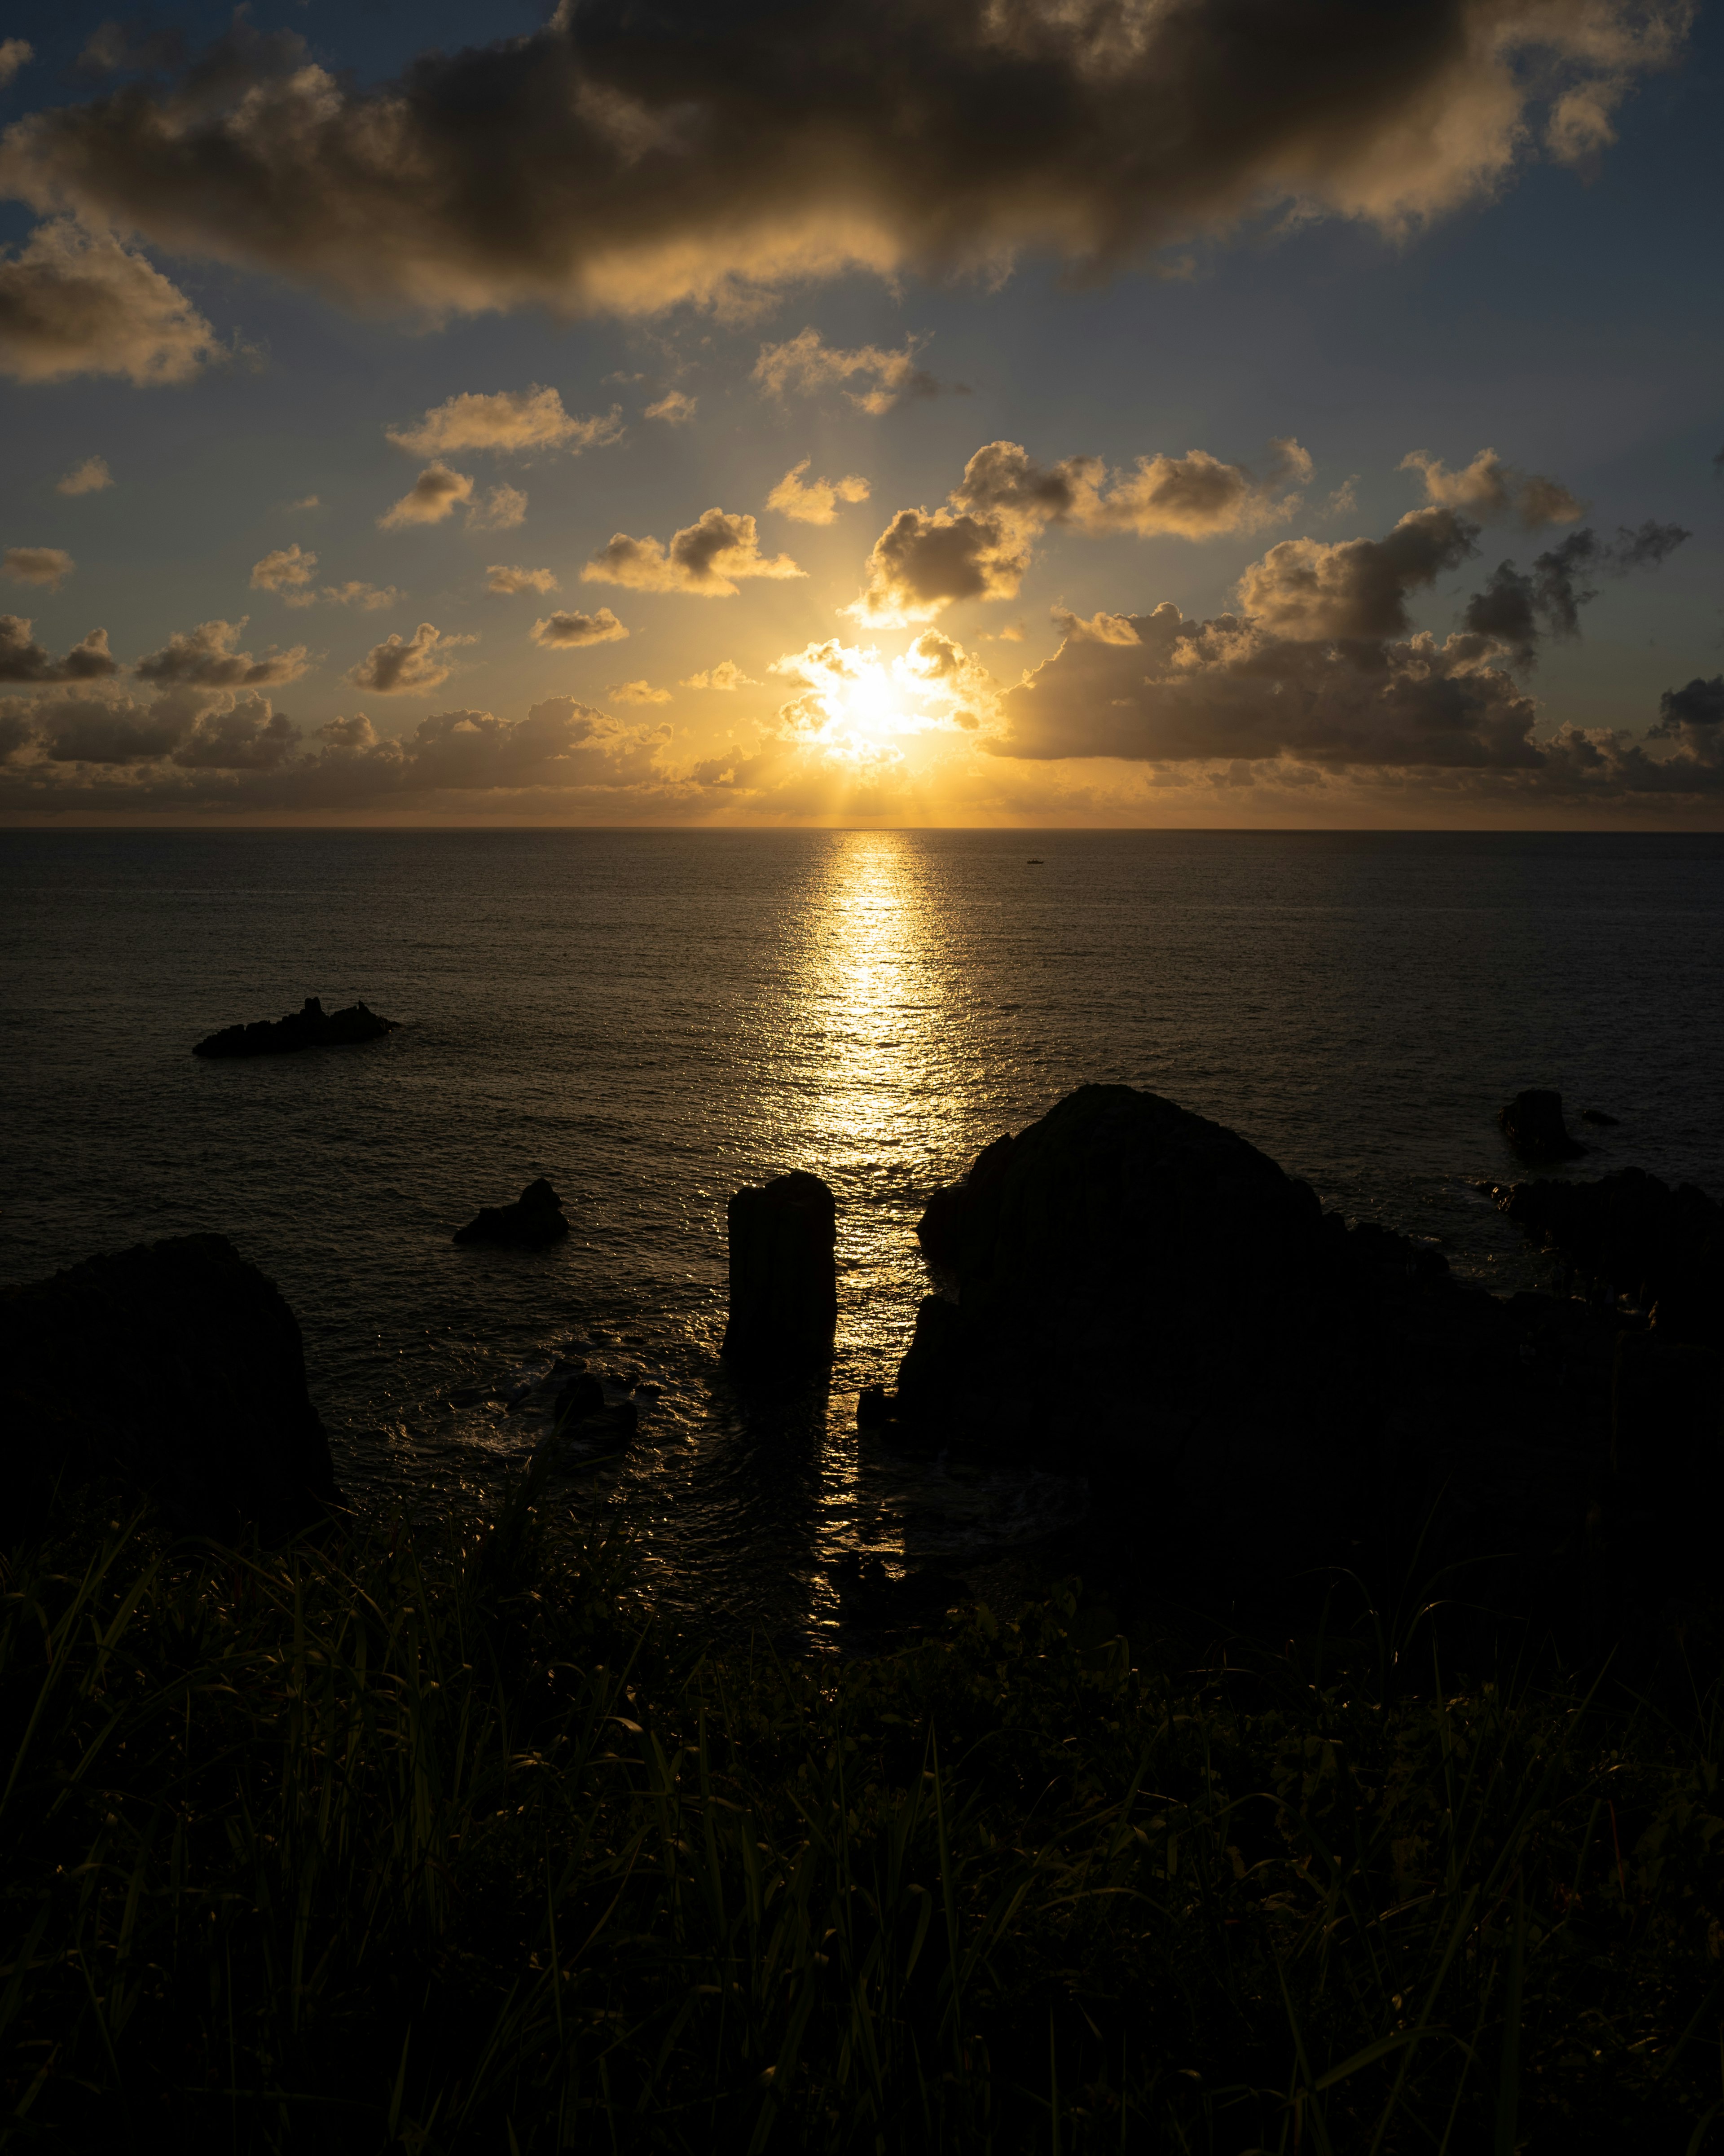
pixel 340 1847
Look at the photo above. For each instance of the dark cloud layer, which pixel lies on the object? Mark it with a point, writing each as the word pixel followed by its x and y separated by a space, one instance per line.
pixel 627 156
pixel 1515 608
pixel 21 658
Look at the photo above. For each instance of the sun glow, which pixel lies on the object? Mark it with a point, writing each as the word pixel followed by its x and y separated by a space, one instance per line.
pixel 859 709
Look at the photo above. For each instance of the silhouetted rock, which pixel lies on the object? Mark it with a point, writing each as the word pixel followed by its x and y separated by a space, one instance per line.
pixel 941 1230
pixel 309 1027
pixel 783 1239
pixel 1532 1123
pixel 173 1370
pixel 532 1223
pixel 1634 1235
pixel 1599 1117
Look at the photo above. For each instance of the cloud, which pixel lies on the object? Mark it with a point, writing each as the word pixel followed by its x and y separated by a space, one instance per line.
pixel 76 301
pixel 638 692
pixel 806 363
pixel 813 501
pixel 205 658
pixel 499 578
pixel 675 409
pixel 21 658
pixel 1516 608
pixel 705 558
pixel 305 501
pixel 566 632
pixel 369 598
pixel 980 544
pixel 1693 715
pixel 726 674
pixel 1100 628
pixel 613 160
pixel 287 572
pixel 90 477
pixel 38 565
pixel 431 498
pixel 393 668
pixel 513 422
pixel 15 52
pixel 1357 587
pixel 1490 490
pixel 502 508
pixel 859 708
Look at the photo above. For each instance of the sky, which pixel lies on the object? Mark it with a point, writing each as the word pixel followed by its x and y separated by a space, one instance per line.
pixel 1029 412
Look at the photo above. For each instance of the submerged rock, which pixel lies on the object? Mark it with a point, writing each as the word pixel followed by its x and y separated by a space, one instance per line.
pixel 532 1223
pixel 1599 1117
pixel 1532 1123
pixel 783 1239
pixel 309 1027
pixel 174 1371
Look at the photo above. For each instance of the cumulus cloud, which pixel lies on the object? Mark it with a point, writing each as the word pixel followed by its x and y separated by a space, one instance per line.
pixel 726 674
pixel 90 477
pixel 205 658
pixel 15 52
pixel 1693 715
pixel 307 501
pixel 1357 587
pixel 395 668
pixel 567 632
pixel 21 658
pixel 1488 490
pixel 638 692
pixel 815 500
pixel 369 598
pixel 287 572
pixel 500 578
pixel 429 500
pixel 76 301
pixel 675 409
pixel 979 544
pixel 806 363
pixel 707 558
pixel 1100 628
pixel 1516 608
pixel 629 160
pixel 512 422
pixel 501 510
pixel 49 566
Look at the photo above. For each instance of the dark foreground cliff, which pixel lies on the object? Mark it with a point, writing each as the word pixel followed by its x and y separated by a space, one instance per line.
pixel 174 1371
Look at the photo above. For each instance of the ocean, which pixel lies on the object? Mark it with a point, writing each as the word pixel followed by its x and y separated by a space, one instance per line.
pixel 653 1018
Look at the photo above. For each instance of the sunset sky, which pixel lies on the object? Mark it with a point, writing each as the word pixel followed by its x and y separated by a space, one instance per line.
pixel 951 412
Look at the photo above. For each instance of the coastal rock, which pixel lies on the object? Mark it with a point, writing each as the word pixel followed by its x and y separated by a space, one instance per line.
pixel 783 1239
pixel 533 1222
pixel 1532 1123
pixel 1598 1117
pixel 941 1230
pixel 175 1371
pixel 1635 1234
pixel 312 1026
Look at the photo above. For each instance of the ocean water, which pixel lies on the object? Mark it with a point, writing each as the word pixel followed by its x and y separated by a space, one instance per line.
pixel 653 1018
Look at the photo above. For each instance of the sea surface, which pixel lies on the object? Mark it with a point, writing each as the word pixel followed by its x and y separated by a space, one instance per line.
pixel 652 1020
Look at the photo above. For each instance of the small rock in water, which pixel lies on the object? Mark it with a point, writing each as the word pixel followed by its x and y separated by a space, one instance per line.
pixel 1597 1116
pixel 309 1027
pixel 532 1223
pixel 1532 1123
pixel 784 1271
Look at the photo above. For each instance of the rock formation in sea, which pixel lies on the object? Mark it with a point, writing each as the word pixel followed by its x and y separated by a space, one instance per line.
pixel 1532 1123
pixel 533 1222
pixel 783 1239
pixel 174 1370
pixel 312 1026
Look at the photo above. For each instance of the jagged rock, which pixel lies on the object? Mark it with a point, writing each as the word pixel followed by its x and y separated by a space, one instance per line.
pixel 175 1371
pixel 309 1027
pixel 783 1239
pixel 1532 1123
pixel 532 1223
pixel 1633 1233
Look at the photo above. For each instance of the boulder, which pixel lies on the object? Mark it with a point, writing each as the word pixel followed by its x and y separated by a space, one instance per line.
pixel 941 1230
pixel 533 1222
pixel 312 1026
pixel 1532 1123
pixel 1635 1234
pixel 173 1371
pixel 783 1239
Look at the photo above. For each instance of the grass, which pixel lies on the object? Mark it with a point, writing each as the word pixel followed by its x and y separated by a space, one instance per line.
pixel 343 1847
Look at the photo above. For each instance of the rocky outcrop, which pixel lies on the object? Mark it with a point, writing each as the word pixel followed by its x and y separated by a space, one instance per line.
pixel 1633 1235
pixel 783 1239
pixel 534 1222
pixel 312 1026
pixel 173 1371
pixel 941 1230
pixel 1532 1123
pixel 1138 1293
